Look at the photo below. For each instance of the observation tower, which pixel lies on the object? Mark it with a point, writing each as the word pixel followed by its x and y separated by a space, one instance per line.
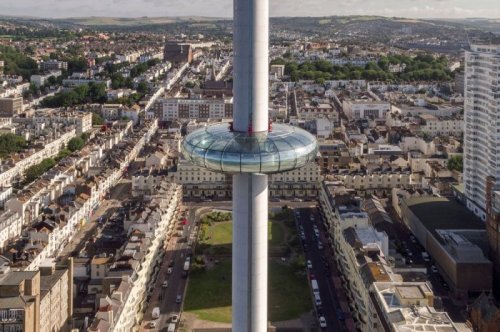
pixel 250 148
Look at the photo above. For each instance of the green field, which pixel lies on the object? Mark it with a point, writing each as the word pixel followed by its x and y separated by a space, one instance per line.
pixel 209 289
pixel 221 233
pixel 209 293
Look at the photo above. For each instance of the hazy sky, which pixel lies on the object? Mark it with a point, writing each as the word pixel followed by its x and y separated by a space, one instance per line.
pixel 223 8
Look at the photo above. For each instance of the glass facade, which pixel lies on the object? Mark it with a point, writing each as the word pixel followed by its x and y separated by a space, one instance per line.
pixel 221 150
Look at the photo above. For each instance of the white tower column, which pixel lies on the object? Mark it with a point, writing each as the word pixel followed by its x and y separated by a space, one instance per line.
pixel 251 65
pixel 249 288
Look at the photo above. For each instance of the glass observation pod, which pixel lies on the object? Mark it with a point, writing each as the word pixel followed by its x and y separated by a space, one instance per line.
pixel 219 149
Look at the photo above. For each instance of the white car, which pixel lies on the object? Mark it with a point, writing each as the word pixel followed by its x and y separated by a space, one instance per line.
pixel 309 265
pixel 169 270
pixel 434 269
pixel 322 322
pixel 174 319
pixel 152 325
pixel 165 284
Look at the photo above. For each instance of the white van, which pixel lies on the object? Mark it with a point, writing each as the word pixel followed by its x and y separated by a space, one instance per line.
pixel 314 286
pixel 171 327
pixel 317 299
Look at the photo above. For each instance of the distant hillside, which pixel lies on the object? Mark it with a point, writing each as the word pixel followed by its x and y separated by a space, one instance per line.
pixel 139 21
pixel 487 24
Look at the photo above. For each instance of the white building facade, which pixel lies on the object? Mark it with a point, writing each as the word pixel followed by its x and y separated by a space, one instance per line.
pixel 482 125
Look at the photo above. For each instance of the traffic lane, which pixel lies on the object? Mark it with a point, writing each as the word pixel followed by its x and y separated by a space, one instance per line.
pixel 176 252
pixel 326 261
pixel 322 274
pixel 176 282
pixel 327 308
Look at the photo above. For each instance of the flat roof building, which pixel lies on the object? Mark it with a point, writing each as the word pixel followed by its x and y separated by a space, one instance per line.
pixel 408 306
pixel 456 240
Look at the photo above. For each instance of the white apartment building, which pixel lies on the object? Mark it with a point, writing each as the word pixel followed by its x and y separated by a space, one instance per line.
pixel 310 111
pixel 437 126
pixel 47 116
pixel 378 181
pixel 362 109
pixel 415 143
pixel 50 150
pixel 40 80
pixel 199 183
pixel 183 109
pixel 11 224
pixel 5 193
pixel 482 125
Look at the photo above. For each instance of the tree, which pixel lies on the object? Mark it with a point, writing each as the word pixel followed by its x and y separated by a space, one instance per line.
pixel 117 81
pixel 142 87
pixel 75 144
pixel 10 143
pixel 62 154
pixel 77 64
pixel 189 84
pixel 97 120
pixel 455 163
pixel 17 63
pixel 52 80
pixel 35 171
pixel 97 92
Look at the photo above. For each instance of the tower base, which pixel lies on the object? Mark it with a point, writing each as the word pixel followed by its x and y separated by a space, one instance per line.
pixel 250 258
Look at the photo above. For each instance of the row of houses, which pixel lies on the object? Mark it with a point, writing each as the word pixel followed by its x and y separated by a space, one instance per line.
pixel 57 220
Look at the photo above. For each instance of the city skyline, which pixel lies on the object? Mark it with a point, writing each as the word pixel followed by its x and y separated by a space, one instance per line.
pixel 223 8
pixel 175 166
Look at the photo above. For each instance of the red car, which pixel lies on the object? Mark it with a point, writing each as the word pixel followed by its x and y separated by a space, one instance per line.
pixel 184 222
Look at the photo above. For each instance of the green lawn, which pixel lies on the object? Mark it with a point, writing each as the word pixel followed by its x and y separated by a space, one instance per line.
pixel 220 233
pixel 209 293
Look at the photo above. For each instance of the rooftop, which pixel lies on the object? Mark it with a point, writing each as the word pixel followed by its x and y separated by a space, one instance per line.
pixel 442 213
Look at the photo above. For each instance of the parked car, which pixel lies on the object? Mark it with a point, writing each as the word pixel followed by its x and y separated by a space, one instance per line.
pixel 165 284
pixel 434 269
pixel 309 265
pixel 169 270
pixel 174 318
pixel 322 322
pixel 178 299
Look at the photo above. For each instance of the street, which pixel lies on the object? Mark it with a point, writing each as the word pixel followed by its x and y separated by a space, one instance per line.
pixel 321 267
pixel 176 252
pixel 119 193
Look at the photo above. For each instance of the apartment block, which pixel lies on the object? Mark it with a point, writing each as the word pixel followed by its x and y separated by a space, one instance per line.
pixel 11 106
pixel 482 97
pixel 364 109
pixel 36 301
pixel 199 109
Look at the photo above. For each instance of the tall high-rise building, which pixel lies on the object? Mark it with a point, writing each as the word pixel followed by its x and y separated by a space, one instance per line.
pixel 250 148
pixel 482 126
pixel 482 143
